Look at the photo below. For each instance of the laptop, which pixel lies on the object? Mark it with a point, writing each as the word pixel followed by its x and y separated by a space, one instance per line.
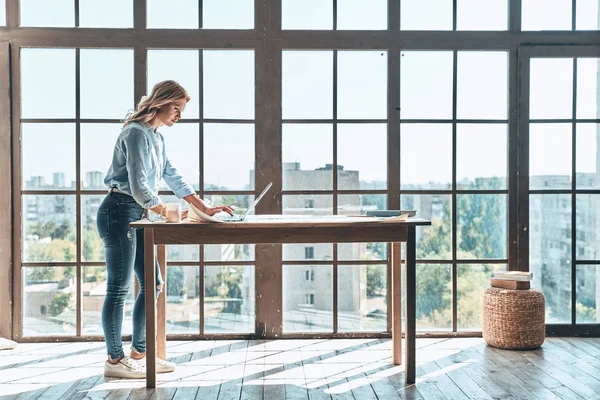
pixel 197 215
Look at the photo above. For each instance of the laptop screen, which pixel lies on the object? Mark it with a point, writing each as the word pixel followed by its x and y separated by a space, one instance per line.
pixel 260 196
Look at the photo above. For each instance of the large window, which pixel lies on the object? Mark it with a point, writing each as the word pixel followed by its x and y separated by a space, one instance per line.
pixel 459 101
pixel 72 121
pixel 346 108
pixel 334 104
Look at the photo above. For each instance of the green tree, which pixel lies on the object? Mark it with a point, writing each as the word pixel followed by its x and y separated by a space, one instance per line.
pixel 175 279
pixel 59 303
pixel 56 250
pixel 231 279
pixel 40 274
pixel 378 249
pixel 234 293
pixel 92 249
pixel 94 274
pixel 376 283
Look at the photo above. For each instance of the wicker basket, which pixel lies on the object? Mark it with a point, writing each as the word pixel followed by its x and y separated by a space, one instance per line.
pixel 514 319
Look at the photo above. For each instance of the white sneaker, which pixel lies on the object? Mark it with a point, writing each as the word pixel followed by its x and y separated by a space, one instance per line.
pixel 127 368
pixel 162 366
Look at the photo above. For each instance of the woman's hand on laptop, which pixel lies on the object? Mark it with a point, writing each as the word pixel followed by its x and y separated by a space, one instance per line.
pixel 214 210
pixel 204 207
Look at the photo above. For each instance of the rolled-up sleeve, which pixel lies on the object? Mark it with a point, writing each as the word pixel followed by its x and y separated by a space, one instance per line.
pixel 138 156
pixel 176 182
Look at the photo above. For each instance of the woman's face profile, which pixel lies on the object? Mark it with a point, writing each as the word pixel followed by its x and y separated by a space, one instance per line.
pixel 170 113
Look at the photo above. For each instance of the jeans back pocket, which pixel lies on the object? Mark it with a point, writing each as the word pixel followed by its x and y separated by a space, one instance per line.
pixel 103 223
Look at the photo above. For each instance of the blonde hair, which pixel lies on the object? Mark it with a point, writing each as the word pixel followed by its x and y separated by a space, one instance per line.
pixel 163 93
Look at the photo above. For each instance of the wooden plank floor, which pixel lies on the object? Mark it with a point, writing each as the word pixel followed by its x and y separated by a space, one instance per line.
pixel 357 369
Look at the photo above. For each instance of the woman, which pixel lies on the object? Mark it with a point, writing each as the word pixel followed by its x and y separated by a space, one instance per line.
pixel 139 162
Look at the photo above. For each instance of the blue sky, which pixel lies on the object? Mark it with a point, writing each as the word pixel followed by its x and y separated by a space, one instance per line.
pixel 426 91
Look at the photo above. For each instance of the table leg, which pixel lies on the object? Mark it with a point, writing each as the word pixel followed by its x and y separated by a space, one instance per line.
pixel 161 332
pixel 396 304
pixel 150 292
pixel 411 288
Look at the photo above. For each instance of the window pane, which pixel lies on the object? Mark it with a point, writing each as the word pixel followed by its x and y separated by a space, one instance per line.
pixel 307 304
pixel 362 84
pixel 434 307
pixel 362 298
pixel 92 247
pixel 308 204
pixel 182 144
pixel 161 14
pixel 228 74
pixel 587 295
pixel 359 204
pixel 2 12
pixel 42 142
pixel 49 228
pixel 482 85
pixel 550 252
pixel 44 13
pixel 307 84
pixel 546 170
pixel 94 292
pixel 413 139
pixel 587 156
pixel 308 251
pixel 181 66
pixel 228 167
pixel 481 156
pixel 48 83
pixel 482 221
pixel 358 169
pixel 230 252
pixel 435 241
pixel 97 147
pixel 544 15
pixel 307 14
pixel 106 83
pixel 307 151
pixel 229 299
pixel 49 301
pixel 471 285
pixel 588 88
pixel 476 15
pixel 183 296
pixel 586 17
pixel 426 84
pixel 587 209
pixel 107 14
pixel 228 14
pixel 551 88
pixel 358 14
pixel 426 15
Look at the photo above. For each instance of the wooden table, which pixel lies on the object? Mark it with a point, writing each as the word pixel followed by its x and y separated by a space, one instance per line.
pixel 284 229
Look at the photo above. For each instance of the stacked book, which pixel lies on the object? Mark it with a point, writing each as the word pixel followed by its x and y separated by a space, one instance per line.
pixel 511 280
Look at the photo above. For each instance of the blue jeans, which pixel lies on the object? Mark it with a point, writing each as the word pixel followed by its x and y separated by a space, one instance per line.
pixel 124 250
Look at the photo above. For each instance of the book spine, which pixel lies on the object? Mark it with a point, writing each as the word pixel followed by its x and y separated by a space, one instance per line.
pixel 513 278
pixel 509 284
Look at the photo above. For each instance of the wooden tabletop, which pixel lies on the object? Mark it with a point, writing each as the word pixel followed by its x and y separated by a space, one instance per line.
pixel 288 221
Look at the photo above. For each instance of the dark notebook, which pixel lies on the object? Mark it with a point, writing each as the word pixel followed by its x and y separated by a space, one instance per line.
pixel 391 213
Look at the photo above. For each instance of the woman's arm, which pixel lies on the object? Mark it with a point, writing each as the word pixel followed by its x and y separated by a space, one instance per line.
pixel 137 153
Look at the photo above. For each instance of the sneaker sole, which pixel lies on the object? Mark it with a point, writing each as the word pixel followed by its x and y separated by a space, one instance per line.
pixel 123 375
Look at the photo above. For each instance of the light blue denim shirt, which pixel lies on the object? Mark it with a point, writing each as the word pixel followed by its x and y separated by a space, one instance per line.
pixel 136 169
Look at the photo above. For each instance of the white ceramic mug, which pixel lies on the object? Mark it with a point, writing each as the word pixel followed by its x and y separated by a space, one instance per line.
pixel 173 212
